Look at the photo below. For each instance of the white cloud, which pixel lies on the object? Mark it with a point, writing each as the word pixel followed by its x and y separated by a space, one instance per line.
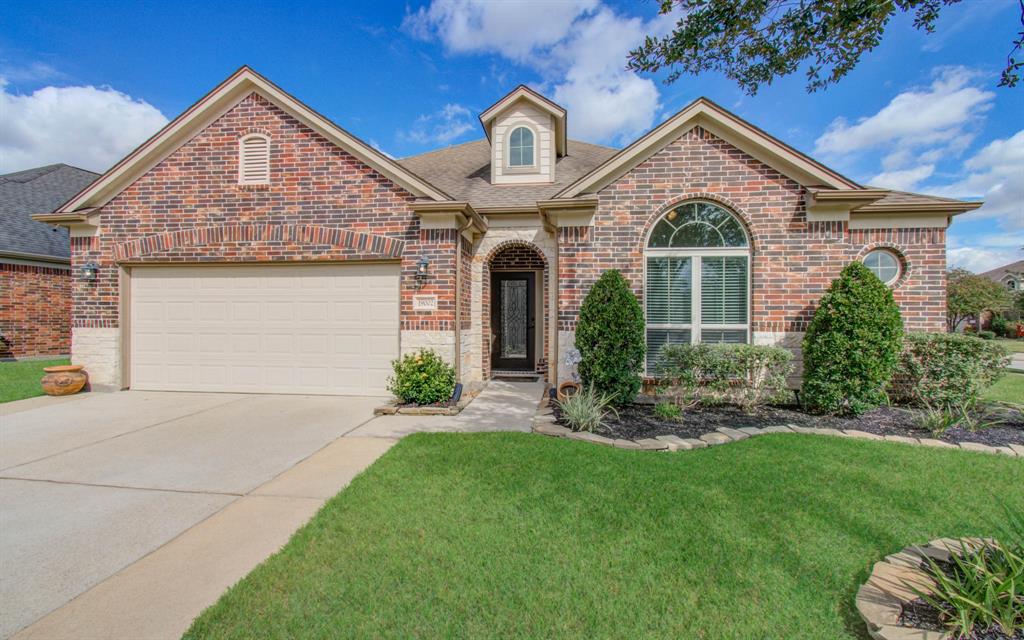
pixel 938 115
pixel 980 259
pixel 579 48
pixel 441 127
pixel 85 126
pixel 996 175
pixel 902 179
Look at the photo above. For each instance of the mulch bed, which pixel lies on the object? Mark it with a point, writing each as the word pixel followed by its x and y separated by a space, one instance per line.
pixel 636 421
pixel 918 614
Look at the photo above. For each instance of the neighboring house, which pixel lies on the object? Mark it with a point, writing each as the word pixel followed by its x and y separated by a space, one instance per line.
pixel 1010 275
pixel 35 262
pixel 253 245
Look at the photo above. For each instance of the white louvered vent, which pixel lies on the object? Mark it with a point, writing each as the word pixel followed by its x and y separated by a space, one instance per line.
pixel 254 159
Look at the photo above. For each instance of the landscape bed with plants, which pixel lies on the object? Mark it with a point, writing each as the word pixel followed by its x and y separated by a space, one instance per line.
pixel 861 372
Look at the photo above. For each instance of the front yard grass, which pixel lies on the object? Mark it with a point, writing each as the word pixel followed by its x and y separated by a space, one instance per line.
pixel 1013 345
pixel 522 536
pixel 20 379
pixel 1009 388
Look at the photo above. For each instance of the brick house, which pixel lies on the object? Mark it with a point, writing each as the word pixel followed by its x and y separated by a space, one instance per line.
pixel 35 262
pixel 253 245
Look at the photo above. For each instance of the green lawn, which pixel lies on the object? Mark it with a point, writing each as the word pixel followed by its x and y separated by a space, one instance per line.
pixel 19 380
pixel 523 536
pixel 1009 388
pixel 1013 346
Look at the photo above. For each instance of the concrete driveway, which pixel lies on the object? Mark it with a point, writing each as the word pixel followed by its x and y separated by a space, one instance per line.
pixel 106 496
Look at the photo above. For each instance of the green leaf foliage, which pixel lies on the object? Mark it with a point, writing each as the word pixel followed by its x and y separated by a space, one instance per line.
pixel 755 42
pixel 852 344
pixel 946 371
pixel 610 339
pixel 743 374
pixel 422 378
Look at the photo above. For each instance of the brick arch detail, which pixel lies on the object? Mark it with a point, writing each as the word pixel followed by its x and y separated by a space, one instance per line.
pixel 697 196
pixel 343 239
pixel 546 280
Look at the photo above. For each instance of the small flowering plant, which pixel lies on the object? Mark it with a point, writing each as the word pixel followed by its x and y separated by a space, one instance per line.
pixel 422 378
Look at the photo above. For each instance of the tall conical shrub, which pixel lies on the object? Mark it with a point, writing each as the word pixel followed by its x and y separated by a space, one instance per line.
pixel 610 339
pixel 852 344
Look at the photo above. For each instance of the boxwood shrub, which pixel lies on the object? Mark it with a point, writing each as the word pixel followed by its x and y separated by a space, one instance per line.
pixel 610 339
pixel 422 378
pixel 851 345
pixel 742 374
pixel 946 370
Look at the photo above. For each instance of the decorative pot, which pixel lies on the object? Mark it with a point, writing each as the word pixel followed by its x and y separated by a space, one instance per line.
pixel 64 380
pixel 567 389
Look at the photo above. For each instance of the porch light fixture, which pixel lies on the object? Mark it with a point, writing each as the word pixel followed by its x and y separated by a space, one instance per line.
pixel 422 268
pixel 90 272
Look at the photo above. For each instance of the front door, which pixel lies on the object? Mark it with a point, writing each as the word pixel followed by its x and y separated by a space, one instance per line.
pixel 513 327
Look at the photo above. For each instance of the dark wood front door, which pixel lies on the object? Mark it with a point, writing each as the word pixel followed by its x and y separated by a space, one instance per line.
pixel 513 321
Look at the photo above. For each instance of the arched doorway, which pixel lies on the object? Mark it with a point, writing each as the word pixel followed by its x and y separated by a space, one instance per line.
pixel 515 309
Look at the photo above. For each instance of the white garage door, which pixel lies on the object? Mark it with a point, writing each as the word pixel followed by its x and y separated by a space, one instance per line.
pixel 324 329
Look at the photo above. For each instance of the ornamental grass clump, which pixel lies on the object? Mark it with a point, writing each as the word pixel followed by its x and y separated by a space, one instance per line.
pixel 852 345
pixel 586 410
pixel 422 378
pixel 610 339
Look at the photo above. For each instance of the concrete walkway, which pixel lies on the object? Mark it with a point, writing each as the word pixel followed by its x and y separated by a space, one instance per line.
pixel 501 406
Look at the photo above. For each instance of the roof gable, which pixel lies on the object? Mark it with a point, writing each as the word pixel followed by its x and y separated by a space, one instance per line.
pixel 725 125
pixel 37 190
pixel 215 104
pixel 526 94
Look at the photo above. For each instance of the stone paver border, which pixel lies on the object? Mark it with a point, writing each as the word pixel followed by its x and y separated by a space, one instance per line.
pixel 893 582
pixel 544 423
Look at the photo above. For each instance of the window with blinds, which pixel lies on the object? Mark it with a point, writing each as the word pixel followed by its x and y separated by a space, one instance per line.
pixel 254 159
pixel 697 287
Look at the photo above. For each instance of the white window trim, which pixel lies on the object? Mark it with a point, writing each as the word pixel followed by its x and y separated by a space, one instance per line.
pixel 695 254
pixel 521 168
pixel 241 159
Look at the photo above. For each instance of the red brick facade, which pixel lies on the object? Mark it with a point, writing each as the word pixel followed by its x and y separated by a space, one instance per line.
pixel 322 204
pixel 35 311
pixel 793 261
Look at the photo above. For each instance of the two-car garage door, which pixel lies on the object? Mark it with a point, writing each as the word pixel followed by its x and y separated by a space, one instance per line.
pixel 321 329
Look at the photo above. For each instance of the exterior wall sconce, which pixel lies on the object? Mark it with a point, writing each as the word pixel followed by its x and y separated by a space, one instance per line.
pixel 422 267
pixel 90 272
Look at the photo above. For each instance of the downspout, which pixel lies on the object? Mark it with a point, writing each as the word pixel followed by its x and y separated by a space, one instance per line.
pixel 458 297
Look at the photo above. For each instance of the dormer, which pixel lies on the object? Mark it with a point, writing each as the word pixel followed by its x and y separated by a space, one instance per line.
pixel 527 136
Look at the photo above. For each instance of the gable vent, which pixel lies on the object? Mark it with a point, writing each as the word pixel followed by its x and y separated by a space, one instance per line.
pixel 254 159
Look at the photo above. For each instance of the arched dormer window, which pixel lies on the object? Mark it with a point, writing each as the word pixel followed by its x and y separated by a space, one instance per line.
pixel 697 285
pixel 254 159
pixel 520 147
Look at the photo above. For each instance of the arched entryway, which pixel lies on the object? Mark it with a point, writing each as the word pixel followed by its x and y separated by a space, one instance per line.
pixel 515 311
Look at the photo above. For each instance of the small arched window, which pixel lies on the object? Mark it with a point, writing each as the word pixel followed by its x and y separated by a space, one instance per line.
pixel 254 159
pixel 697 285
pixel 520 147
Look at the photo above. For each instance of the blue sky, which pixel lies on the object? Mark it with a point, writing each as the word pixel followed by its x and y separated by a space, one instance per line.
pixel 84 82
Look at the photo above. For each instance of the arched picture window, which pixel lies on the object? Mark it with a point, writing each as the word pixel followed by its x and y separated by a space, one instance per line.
pixel 254 159
pixel 520 147
pixel 697 286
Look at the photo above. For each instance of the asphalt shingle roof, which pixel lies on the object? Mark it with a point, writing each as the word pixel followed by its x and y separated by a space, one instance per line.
pixel 464 172
pixel 895 198
pixel 1013 268
pixel 39 190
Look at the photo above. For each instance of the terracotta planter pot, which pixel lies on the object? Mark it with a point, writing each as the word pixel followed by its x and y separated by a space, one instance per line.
pixel 64 380
pixel 567 389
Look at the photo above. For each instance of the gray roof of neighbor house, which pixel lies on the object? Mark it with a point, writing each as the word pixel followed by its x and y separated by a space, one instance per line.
pixel 464 172
pixel 1016 268
pixel 39 190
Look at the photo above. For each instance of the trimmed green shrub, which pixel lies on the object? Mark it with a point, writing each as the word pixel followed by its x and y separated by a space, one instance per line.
pixel 586 410
pixel 946 371
pixel 742 374
pixel 1001 326
pixel 851 345
pixel 610 339
pixel 987 335
pixel 422 378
